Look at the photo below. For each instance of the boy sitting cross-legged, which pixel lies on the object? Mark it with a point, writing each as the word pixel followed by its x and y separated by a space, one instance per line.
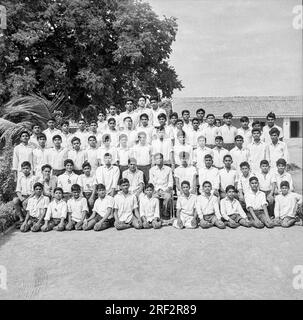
pixel 149 208
pixel 77 209
pixel 186 209
pixel 102 216
pixel 35 210
pixel 231 210
pixel 126 208
pixel 256 205
pixel 56 213
pixel 287 206
pixel 208 208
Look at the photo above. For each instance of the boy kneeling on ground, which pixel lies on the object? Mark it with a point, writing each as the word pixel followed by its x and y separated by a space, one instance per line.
pixel 126 208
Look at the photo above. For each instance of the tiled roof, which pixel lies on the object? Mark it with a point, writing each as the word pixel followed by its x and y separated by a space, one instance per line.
pixel 257 107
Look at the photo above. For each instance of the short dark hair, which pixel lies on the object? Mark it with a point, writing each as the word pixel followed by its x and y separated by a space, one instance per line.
pixel 238 136
pixel 185 182
pixel 150 186
pixel 68 161
pixel 75 187
pixel 58 189
pixel 208 156
pixel 41 135
pixel 46 166
pixel 194 119
pixel 281 161
pixel 253 179
pixel 129 99
pixel 180 120
pixel 92 136
pixel 264 161
pixel 271 115
pixel 38 184
pixel 144 115
pixel 57 136
pixel 142 96
pixel 123 180
pixel 107 154
pixel 101 186
pixel 111 119
pixel 36 125
pixel 162 115
pixel 230 187
pixel 256 122
pixel 200 110
pixel 185 111
pixel 274 131
pixel 210 115
pixel 75 139
pixel 219 138
pixel 81 119
pixel 255 130
pixel 227 156
pixel 86 164
pixel 284 184
pixel 244 119
pixel 51 119
pixel 24 131
pixel 244 164
pixel 26 164
pixel 206 182
pixel 65 122
pixel 154 98
pixel 174 114
pixel 227 115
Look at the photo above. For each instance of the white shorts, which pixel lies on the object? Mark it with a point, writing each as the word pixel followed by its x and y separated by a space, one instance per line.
pixel 186 221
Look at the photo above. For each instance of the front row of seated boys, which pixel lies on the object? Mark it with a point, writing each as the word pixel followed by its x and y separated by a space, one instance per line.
pixel 126 209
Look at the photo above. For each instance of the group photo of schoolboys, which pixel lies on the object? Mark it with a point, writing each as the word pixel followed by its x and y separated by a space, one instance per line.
pixel 144 168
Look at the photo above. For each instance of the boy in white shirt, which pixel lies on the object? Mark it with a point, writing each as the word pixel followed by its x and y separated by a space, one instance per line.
pixel 126 208
pixel 267 184
pixel 219 153
pixel 35 210
pixel 186 209
pixel 270 118
pixel 156 110
pixel 113 114
pixel 182 147
pixel 243 182
pixel 77 155
pixel 277 149
pixel 102 216
pixel 56 213
pixel 33 140
pixel 200 114
pixel 77 209
pixel 112 132
pixel 209 173
pixel 92 153
pixel 24 190
pixel 129 112
pixel 82 134
pixel 186 121
pixel 257 151
pixel 40 155
pixel 208 208
pixel 185 172
pixel 200 152
pixel 107 147
pixel 239 153
pixel 145 127
pixel 50 132
pixel 142 109
pixel 22 152
pixel 227 175
pixel 210 131
pixel 86 182
pixel 67 179
pixel 282 175
pixel 256 205
pixel 287 206
pixel 163 146
pixel 173 118
pixel 129 132
pixel 231 210
pixel 124 153
pixel 228 131
pixel 245 131
pixel 193 133
pixel 142 153
pixel 66 136
pixel 48 181
pixel 162 118
pixel 149 208
pixel 135 178
pixel 102 123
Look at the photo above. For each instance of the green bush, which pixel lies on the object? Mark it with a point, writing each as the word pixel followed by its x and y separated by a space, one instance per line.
pixel 7 217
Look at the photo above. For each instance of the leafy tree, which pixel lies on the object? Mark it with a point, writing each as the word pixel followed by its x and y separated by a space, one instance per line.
pixel 94 51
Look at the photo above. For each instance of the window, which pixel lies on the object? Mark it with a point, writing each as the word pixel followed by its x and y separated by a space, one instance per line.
pixel 294 129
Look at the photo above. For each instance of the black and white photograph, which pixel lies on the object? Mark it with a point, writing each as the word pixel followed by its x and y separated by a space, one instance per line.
pixel 151 150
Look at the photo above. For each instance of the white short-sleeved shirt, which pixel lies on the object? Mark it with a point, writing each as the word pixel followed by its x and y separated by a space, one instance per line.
pixel 186 174
pixel 92 158
pixel 155 121
pixel 266 181
pixel 256 153
pixel 142 154
pixel 125 204
pixel 49 136
pixel 22 153
pixel 57 157
pixel 40 158
pixel 148 131
pixel 77 207
pixel 218 156
pixel 187 205
pixel 178 148
pixel 86 182
pixel 112 150
pixel 207 205
pixel 78 157
pixel 140 111
pixel 266 136
pixel 276 152
pixel 65 181
pixel 25 184
pixel 286 176
pixel 149 207
pixel 66 140
pixel 48 186
pixel 229 207
pixel 56 210
pixel 199 154
pixel 285 205
pixel 228 133
pixel 239 156
pixel 101 206
pixel 114 137
pixel 227 178
pixel 255 200
pixel 36 205
pixel 83 136
pixel 243 182
pixel 124 155
pixel 132 137
pixel 108 176
pixel 192 137
pixel 123 115
pixel 135 179
pixel 33 141
pixel 209 174
pixel 247 136
pixel 210 133
pixel 162 146
pixel 161 178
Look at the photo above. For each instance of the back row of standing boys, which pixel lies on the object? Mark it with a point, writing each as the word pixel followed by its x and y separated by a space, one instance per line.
pixel 124 170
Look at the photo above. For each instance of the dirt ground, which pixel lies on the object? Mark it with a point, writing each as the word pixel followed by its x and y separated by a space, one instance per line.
pixel 153 264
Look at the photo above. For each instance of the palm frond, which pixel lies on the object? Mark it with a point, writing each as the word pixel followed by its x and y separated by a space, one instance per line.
pixel 9 131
